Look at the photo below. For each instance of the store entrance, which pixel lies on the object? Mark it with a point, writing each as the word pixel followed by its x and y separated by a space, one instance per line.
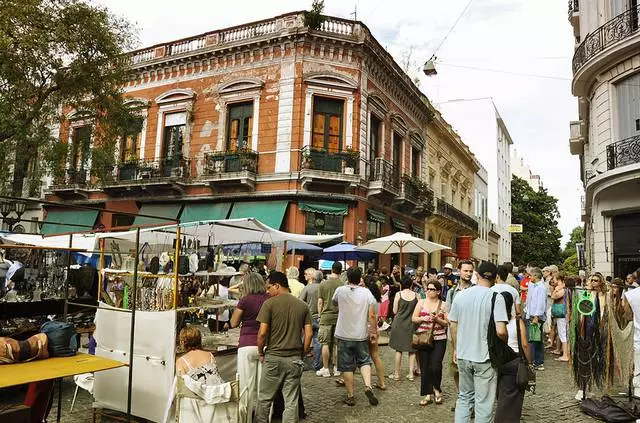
pixel 626 244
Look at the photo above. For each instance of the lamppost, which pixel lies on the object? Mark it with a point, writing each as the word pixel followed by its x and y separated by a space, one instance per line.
pixel 6 208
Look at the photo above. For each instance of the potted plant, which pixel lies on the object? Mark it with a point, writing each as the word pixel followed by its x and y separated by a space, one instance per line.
pixel 306 158
pixel 248 160
pixel 351 158
pixel 128 169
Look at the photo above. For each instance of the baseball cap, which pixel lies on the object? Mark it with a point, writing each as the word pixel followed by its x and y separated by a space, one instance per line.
pixel 448 266
pixel 488 270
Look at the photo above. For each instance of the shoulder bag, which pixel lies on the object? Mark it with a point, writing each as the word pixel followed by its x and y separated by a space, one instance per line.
pixel 500 352
pixel 424 339
pixel 525 376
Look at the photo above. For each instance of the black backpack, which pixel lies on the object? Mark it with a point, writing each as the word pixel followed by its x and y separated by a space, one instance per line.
pixel 609 410
pixel 500 352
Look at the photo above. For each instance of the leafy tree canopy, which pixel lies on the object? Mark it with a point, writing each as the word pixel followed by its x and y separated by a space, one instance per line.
pixel 57 55
pixel 577 236
pixel 538 212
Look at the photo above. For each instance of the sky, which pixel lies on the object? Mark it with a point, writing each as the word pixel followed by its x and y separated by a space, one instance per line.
pixel 518 52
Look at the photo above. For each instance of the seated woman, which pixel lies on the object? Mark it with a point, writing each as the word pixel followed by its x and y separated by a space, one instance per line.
pixel 198 364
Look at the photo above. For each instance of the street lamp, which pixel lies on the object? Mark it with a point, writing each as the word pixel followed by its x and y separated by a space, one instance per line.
pixel 429 68
pixel 6 208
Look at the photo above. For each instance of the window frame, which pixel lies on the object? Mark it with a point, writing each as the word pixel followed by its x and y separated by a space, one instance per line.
pixel 377 233
pixel 313 230
pixel 246 112
pixel 327 113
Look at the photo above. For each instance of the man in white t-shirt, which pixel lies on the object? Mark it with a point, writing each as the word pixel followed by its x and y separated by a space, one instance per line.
pixel 502 286
pixel 631 304
pixel 356 326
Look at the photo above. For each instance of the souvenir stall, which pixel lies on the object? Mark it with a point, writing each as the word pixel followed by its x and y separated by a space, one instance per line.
pixel 159 277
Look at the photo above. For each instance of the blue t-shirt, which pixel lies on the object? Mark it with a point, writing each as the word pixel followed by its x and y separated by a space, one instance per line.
pixel 472 310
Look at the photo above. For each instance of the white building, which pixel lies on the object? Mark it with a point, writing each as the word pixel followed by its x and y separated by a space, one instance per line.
pixel 481 195
pixel 483 130
pixel 606 81
pixel 522 170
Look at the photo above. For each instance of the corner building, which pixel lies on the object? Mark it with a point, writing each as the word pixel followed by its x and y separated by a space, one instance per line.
pixel 606 81
pixel 309 130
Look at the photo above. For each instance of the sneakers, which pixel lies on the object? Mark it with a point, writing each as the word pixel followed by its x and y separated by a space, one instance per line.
pixel 350 401
pixel 336 372
pixel 324 372
pixel 539 367
pixel 371 396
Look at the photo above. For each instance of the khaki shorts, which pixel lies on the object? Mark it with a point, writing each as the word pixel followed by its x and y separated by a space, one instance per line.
pixel 325 334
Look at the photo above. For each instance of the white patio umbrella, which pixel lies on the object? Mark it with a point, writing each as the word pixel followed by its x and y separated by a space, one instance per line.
pixel 401 242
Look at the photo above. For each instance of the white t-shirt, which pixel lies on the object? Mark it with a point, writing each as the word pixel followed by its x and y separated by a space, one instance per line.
pixel 503 287
pixel 512 330
pixel 223 316
pixel 353 304
pixel 633 297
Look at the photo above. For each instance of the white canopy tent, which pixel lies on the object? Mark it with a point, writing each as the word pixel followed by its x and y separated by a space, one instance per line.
pixel 85 242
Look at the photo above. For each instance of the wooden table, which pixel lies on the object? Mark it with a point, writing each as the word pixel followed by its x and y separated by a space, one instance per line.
pixel 53 368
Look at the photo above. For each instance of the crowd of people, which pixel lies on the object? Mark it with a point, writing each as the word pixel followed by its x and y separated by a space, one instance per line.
pixel 333 322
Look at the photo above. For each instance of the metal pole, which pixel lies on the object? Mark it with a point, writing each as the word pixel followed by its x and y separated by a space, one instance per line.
pixel 133 326
pixel 176 269
pixel 100 266
pixel 64 316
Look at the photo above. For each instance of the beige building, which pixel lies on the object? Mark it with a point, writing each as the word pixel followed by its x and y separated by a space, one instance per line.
pixel 606 82
pixel 452 169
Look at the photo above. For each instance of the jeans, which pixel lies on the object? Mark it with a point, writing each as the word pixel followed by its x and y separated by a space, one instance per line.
pixel 249 370
pixel 431 367
pixel 279 372
pixel 537 348
pixel 510 396
pixel 316 345
pixel 478 383
pixel 352 355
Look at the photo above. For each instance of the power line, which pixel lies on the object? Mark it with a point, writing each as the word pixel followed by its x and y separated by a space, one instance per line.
pixel 531 75
pixel 452 28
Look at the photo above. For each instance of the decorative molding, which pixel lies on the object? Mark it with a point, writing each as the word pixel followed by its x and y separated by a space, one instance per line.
pixel 399 124
pixel 331 80
pixel 240 84
pixel 175 95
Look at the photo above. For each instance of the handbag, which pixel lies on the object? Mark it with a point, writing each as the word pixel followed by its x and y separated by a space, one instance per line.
pixel 559 310
pixel 525 375
pixel 424 339
pixel 500 352
pixel 535 333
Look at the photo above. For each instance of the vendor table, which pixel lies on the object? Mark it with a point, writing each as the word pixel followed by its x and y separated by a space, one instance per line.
pixel 53 368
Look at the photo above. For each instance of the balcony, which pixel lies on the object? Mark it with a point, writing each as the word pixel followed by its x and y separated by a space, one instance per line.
pixel 415 197
pixel 615 37
pixel 451 213
pixel 74 184
pixel 321 169
pixel 231 169
pixel 576 137
pixel 384 181
pixel 623 153
pixel 140 177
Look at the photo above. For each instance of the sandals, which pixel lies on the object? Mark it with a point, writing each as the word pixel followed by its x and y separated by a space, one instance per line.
pixel 381 387
pixel 339 382
pixel 410 377
pixel 438 399
pixel 561 359
pixel 394 377
pixel 426 401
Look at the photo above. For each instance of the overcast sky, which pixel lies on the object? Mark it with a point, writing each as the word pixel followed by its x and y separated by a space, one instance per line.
pixel 516 51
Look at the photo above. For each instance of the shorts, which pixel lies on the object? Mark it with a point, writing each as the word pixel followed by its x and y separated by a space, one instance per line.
pixel 325 334
pixel 352 354
pixel 561 323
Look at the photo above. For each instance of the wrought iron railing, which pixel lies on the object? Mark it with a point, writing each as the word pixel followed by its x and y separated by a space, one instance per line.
pixel 145 170
pixel 231 161
pixel 71 178
pixel 623 152
pixel 383 171
pixel 329 161
pixel 617 29
pixel 574 7
pixel 447 210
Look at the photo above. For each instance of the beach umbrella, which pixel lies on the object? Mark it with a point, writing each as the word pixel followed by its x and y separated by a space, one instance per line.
pixel 347 251
pixel 401 242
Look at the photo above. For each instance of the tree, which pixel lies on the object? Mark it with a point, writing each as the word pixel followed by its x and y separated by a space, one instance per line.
pixel 60 55
pixel 577 236
pixel 538 212
pixel 570 264
pixel 314 18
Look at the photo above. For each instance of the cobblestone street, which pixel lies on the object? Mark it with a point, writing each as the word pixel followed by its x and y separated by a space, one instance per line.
pixel 553 402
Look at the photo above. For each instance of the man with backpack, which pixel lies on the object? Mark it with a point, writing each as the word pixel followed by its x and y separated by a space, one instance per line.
pixel 469 316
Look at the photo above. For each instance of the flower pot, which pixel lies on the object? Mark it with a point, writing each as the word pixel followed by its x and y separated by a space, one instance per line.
pixel 349 171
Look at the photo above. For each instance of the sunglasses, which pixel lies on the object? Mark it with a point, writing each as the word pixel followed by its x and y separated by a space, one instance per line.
pixel 433 289
pixel 595 280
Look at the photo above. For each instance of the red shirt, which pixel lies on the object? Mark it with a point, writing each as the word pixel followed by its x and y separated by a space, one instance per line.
pixel 524 285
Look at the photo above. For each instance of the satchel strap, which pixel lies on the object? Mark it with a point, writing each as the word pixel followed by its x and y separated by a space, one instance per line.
pixel 520 349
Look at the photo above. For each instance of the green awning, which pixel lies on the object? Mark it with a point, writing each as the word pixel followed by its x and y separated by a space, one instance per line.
pixel 169 211
pixel 271 213
pixel 417 231
pixel 398 225
pixel 210 211
pixel 376 216
pixel 324 208
pixel 64 221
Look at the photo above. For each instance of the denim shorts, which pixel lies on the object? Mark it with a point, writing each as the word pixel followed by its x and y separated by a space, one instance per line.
pixel 352 354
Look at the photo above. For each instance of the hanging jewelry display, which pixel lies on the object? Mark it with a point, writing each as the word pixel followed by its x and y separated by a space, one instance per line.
pixel 588 349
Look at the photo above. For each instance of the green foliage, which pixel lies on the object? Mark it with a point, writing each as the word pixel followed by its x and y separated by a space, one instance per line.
pixel 570 264
pixel 538 213
pixel 314 18
pixel 55 56
pixel 577 236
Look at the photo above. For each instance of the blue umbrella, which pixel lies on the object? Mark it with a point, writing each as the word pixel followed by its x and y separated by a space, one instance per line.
pixel 303 247
pixel 346 251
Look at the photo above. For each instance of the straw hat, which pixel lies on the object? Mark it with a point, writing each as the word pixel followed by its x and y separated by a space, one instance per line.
pixel 224 270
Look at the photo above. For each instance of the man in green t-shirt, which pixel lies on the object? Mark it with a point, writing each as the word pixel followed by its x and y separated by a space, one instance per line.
pixel 328 318
pixel 283 319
